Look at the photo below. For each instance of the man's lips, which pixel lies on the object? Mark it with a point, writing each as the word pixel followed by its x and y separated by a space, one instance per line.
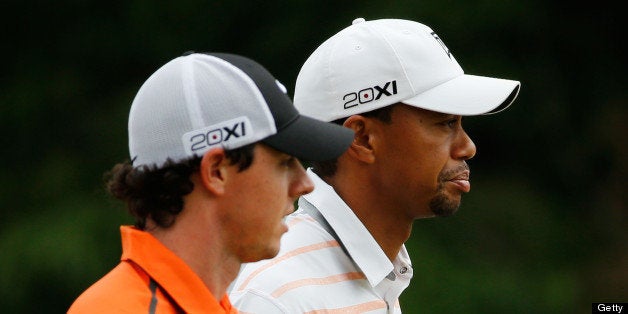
pixel 461 180
pixel 290 209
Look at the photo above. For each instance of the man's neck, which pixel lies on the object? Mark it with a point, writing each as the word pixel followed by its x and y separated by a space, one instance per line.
pixel 388 226
pixel 205 255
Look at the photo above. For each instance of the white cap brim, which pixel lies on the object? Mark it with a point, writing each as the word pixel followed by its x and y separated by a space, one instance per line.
pixel 468 95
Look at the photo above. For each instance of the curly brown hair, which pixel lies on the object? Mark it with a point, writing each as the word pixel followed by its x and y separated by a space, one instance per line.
pixel 157 192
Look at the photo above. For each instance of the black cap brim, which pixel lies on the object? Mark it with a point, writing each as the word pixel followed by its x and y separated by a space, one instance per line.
pixel 311 140
pixel 303 137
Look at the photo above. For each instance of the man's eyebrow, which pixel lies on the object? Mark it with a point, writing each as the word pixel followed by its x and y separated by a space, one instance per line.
pixel 440 115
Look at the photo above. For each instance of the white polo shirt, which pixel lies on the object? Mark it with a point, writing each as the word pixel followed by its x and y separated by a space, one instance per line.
pixel 328 262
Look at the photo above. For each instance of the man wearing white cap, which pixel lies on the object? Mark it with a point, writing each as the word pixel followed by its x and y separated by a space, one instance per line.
pixel 396 84
pixel 214 141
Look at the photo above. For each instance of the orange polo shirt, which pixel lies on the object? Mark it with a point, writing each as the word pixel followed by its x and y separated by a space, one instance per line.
pixel 149 279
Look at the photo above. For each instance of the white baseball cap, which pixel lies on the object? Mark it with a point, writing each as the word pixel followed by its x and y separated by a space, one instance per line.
pixel 373 64
pixel 199 101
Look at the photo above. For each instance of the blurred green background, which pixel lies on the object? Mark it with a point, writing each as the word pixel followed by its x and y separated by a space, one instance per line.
pixel 543 231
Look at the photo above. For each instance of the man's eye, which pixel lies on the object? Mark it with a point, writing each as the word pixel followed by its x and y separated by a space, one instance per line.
pixel 451 123
pixel 288 161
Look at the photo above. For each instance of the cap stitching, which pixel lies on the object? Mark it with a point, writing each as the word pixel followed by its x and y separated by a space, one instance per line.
pixel 403 68
pixel 328 68
pixel 189 88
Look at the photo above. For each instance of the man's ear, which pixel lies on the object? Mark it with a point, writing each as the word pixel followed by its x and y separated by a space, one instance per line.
pixel 213 170
pixel 362 146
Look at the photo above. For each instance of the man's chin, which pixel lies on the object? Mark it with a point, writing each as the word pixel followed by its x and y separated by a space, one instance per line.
pixel 442 206
pixel 270 250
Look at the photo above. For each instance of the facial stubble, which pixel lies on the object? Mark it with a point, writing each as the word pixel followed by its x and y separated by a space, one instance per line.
pixel 441 205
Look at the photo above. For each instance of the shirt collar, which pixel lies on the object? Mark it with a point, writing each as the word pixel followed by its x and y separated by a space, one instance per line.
pixel 171 273
pixel 357 240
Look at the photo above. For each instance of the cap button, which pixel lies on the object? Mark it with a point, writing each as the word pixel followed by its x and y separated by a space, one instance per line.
pixel 358 20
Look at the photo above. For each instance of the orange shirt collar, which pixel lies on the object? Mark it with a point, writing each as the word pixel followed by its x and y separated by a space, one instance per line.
pixel 171 273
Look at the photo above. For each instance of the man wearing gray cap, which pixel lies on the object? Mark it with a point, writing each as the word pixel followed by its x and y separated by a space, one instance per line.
pixel 214 141
pixel 397 85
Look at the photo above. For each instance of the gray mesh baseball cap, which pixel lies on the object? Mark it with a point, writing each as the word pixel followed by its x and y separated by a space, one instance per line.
pixel 203 100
